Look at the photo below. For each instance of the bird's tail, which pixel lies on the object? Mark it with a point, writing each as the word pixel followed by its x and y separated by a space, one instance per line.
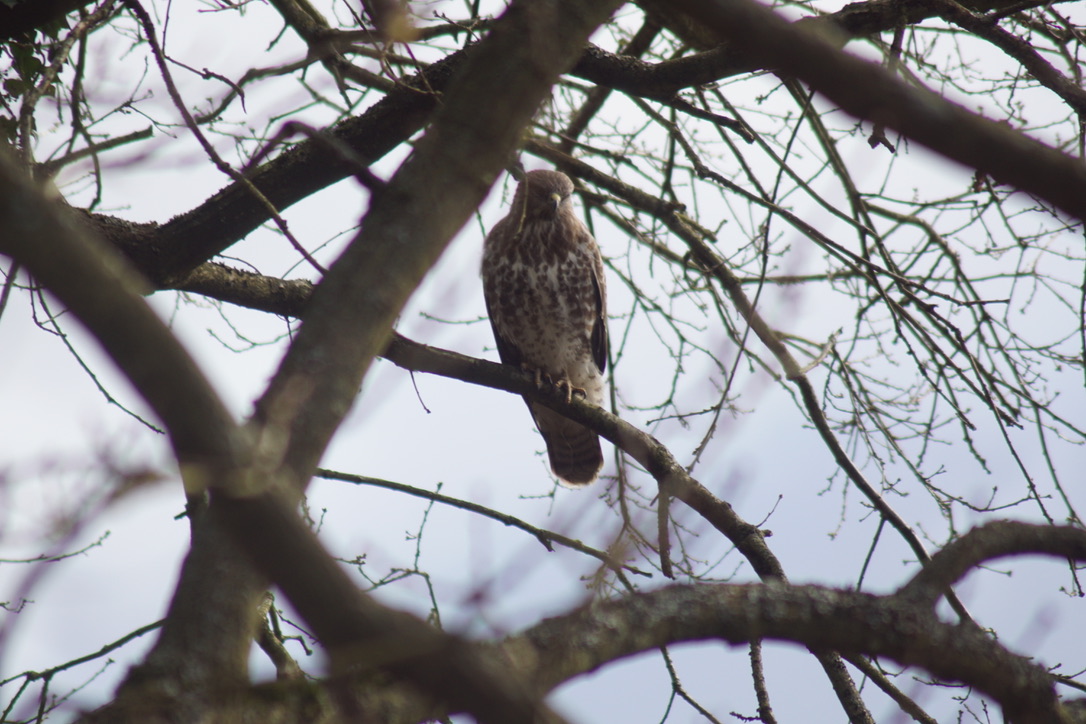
pixel 573 449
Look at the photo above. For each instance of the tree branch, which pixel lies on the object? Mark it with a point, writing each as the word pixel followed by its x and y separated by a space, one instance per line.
pixel 993 540
pixel 103 292
pixel 820 618
pixel 870 92
pixel 546 537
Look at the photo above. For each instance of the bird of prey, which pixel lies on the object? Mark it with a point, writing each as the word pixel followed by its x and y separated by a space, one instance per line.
pixel 546 298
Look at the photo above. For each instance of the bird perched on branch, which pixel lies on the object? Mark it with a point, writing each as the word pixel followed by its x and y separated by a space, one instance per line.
pixel 546 297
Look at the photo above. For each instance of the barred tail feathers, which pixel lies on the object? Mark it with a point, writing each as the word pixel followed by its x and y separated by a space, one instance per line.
pixel 574 450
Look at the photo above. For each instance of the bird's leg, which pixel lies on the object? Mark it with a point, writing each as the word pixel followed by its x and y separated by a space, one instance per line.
pixel 562 383
pixel 538 374
pixel 571 390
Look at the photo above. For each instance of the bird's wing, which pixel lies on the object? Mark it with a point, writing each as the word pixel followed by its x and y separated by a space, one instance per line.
pixel 509 353
pixel 599 327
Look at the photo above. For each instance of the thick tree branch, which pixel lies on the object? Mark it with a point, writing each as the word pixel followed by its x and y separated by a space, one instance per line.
pixel 105 294
pixel 726 58
pixel 988 542
pixel 1017 48
pixel 898 627
pixel 173 249
pixel 102 291
pixel 820 618
pixel 870 92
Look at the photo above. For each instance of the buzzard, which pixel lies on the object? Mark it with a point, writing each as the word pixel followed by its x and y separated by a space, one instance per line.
pixel 546 298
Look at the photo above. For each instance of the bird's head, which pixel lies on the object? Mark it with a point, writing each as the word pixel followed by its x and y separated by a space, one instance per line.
pixel 542 194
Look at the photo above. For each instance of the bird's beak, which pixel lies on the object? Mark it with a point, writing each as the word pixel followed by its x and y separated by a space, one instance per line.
pixel 556 199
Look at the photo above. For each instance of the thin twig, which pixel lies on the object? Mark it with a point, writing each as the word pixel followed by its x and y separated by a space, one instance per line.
pixel 545 537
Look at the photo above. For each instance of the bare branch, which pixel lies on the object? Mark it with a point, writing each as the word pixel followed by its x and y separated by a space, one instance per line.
pixel 868 91
pixel 991 541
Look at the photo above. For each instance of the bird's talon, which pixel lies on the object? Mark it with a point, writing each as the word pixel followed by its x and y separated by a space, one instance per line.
pixel 571 390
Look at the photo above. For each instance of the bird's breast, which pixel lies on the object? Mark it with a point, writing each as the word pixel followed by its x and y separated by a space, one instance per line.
pixel 547 309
